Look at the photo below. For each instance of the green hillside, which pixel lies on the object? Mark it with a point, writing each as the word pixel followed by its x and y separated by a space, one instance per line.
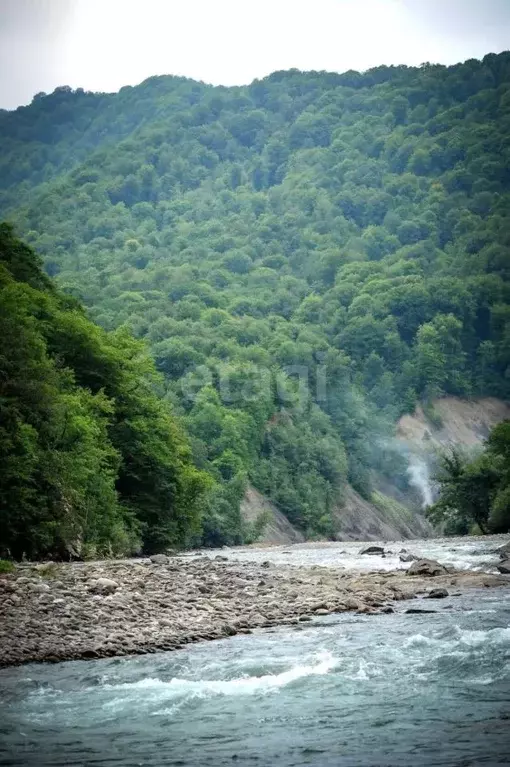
pixel 307 257
pixel 92 462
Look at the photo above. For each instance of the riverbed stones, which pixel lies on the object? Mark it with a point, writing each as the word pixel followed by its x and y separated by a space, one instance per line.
pixel 427 567
pixel 103 586
pixel 373 550
pixel 159 559
pixel 118 608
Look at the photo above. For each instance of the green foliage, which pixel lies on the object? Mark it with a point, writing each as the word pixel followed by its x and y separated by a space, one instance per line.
pixel 6 567
pixel 432 415
pixel 392 509
pixel 475 491
pixel 306 257
pixel 92 461
pixel 256 529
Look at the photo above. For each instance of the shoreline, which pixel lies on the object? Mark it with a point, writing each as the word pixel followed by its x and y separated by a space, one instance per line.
pixel 77 611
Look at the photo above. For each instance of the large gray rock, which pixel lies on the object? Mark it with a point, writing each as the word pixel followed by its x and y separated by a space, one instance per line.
pixel 428 567
pixel 437 594
pixel 504 567
pixel 103 586
pixel 504 550
pixel 407 557
pixel 374 550
pixel 159 559
pixel 418 611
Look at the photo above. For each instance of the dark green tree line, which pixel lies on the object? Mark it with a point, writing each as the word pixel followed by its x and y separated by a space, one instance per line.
pixel 92 461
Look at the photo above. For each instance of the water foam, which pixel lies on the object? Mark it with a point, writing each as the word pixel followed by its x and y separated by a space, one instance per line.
pixel 244 685
pixel 462 637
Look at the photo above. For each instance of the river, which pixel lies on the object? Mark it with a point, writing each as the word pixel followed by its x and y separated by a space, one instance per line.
pixel 383 690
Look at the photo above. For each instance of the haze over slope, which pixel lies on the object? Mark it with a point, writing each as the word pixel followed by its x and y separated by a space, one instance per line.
pixel 307 257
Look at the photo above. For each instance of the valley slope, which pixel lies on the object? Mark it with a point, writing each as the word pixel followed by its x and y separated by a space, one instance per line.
pixel 308 257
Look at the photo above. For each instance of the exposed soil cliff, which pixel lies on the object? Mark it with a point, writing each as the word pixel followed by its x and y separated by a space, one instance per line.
pixel 459 422
pixel 382 518
pixel 356 519
pixel 277 529
pixel 389 515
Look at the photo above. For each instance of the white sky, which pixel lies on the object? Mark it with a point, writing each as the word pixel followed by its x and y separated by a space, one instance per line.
pixel 105 44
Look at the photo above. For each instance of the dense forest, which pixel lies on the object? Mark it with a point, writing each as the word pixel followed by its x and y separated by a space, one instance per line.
pixel 306 258
pixel 93 462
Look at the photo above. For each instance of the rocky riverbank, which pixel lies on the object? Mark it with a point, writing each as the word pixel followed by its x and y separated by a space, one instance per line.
pixel 70 611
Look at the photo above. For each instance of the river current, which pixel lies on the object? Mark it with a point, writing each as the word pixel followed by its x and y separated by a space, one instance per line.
pixel 384 690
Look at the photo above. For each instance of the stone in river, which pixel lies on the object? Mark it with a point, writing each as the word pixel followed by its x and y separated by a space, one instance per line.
pixel 373 550
pixel 418 611
pixel 436 594
pixel 407 556
pixel 427 567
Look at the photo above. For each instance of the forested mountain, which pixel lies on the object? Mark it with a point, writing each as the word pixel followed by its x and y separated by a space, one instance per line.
pixel 350 232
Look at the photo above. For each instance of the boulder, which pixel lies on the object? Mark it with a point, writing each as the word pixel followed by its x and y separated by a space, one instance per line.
pixel 436 594
pixel 504 567
pixel 373 550
pixel 159 559
pixel 504 550
pixel 103 586
pixel 428 567
pixel 39 588
pixel 407 557
pixel 418 611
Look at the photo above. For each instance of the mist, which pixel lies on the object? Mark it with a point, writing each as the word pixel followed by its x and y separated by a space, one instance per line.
pixel 419 477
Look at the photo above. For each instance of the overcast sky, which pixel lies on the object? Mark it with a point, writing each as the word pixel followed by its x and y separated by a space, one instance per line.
pixel 105 44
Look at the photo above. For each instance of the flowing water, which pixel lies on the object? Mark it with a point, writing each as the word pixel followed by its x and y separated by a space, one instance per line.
pixel 384 690
pixel 466 553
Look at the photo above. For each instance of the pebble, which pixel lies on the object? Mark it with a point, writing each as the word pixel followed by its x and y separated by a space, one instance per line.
pixel 103 609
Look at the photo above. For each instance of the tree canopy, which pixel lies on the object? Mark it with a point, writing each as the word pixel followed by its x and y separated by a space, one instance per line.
pixel 93 462
pixel 306 257
pixel 475 491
